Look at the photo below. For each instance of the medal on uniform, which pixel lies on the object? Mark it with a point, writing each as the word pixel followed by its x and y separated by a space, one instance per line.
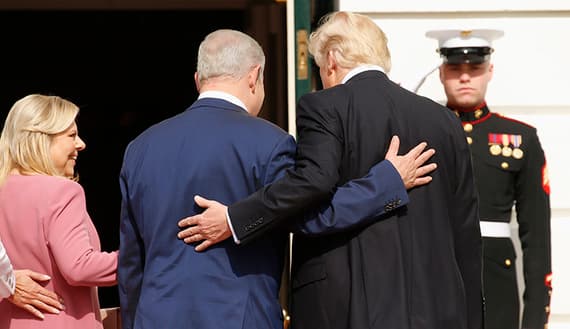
pixel 506 151
pixel 517 141
pixel 495 148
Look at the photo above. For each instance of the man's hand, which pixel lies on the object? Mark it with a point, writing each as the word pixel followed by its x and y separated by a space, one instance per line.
pixel 32 297
pixel 210 227
pixel 410 165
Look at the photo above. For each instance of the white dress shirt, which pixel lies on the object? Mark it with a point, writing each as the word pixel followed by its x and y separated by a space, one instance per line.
pixel 360 69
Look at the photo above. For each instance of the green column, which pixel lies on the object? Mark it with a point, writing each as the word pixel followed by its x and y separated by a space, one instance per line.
pixel 302 62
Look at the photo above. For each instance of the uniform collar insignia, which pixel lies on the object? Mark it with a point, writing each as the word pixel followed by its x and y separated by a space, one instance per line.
pixel 478 114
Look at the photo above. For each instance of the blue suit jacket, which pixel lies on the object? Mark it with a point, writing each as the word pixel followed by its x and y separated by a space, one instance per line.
pixel 219 151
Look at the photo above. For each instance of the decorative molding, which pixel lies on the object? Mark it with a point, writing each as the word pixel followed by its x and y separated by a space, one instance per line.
pixel 452 6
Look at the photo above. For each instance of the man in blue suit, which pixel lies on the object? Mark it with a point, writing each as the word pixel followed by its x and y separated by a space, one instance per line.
pixel 219 149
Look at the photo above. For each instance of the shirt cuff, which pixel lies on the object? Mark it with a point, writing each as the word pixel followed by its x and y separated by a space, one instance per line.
pixel 236 240
pixel 7 284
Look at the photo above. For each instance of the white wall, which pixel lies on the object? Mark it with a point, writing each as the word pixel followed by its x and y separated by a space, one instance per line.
pixel 531 83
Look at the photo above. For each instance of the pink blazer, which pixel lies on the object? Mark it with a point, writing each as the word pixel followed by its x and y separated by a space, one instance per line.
pixel 45 227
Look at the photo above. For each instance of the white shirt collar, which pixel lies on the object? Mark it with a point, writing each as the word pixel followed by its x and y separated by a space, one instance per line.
pixel 360 69
pixel 223 95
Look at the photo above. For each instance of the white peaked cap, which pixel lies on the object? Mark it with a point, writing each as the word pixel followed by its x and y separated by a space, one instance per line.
pixel 465 38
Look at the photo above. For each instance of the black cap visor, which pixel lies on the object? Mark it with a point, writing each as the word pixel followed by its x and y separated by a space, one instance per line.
pixel 467 55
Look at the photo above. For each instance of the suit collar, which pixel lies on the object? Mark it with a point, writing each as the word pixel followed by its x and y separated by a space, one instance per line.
pixel 223 96
pixel 218 103
pixel 359 69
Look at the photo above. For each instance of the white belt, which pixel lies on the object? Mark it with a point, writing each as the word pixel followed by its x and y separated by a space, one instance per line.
pixel 495 229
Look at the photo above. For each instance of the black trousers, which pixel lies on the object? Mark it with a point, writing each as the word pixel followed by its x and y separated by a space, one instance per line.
pixel 500 289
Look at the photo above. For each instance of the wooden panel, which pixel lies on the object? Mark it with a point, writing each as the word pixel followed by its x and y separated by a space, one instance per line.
pixel 123 4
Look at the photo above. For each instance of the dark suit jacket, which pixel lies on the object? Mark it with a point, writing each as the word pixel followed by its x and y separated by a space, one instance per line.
pixel 217 150
pixel 420 267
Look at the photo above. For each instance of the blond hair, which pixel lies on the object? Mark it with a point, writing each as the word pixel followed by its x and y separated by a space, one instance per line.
pixel 28 131
pixel 228 53
pixel 353 39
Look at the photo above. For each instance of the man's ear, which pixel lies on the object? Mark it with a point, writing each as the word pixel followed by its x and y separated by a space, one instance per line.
pixel 491 69
pixel 331 61
pixel 253 77
pixel 197 81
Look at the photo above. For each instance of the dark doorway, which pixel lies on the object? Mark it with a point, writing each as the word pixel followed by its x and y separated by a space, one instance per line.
pixel 126 70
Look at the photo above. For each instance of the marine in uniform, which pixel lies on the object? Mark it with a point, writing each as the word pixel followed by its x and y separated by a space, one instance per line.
pixel 510 170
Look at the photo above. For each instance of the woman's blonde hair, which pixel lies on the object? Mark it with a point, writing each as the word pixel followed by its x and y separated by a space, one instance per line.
pixel 353 39
pixel 30 126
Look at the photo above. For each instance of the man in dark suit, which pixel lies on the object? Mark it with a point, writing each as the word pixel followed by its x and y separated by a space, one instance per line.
pixel 219 149
pixel 418 267
pixel 510 170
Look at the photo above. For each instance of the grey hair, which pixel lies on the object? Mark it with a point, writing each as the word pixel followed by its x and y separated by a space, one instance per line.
pixel 228 53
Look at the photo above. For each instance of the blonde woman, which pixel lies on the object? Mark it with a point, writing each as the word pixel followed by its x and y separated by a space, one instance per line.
pixel 44 224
